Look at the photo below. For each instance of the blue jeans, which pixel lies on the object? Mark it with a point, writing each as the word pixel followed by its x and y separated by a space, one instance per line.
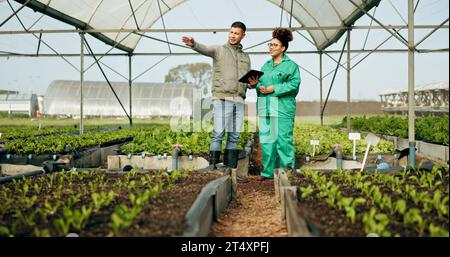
pixel 229 117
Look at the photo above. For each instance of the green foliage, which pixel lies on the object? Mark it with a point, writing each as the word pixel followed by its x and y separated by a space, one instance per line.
pixel 4 231
pixel 101 199
pixel 57 143
pixel 376 223
pixel 414 200
pixel 16 132
pixel 413 218
pixel 328 137
pixel 72 201
pixel 436 231
pixel 159 140
pixel 400 206
pixel 306 191
pixel 428 128
pixel 122 217
pixel 440 203
pixel 198 74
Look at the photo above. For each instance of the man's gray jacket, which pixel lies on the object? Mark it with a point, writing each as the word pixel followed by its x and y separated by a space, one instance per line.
pixel 230 63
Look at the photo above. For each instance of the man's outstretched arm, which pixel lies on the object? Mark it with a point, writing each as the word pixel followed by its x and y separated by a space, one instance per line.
pixel 202 49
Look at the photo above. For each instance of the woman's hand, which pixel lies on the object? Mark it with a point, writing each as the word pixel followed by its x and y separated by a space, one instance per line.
pixel 270 90
pixel 266 91
pixel 253 81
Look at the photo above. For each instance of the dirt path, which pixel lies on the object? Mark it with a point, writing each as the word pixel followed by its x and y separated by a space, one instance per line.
pixel 254 213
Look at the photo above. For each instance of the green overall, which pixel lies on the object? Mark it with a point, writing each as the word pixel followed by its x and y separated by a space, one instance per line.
pixel 276 114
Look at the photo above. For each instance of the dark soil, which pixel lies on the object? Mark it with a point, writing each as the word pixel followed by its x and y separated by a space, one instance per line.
pixel 328 222
pixel 163 215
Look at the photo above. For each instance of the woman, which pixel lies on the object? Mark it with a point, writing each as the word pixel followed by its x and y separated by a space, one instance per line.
pixel 276 104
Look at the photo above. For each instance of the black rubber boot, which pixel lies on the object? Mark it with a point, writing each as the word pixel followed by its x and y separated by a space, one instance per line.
pixel 214 157
pixel 226 157
pixel 231 158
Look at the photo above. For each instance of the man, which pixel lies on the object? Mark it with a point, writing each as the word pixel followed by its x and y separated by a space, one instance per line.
pixel 230 63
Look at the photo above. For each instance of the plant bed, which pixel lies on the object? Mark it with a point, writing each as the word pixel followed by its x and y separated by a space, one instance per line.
pixel 95 203
pixel 159 140
pixel 432 129
pixel 26 159
pixel 328 137
pixel 88 157
pixel 64 144
pixel 344 203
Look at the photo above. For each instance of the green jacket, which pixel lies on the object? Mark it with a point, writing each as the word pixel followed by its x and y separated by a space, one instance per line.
pixel 285 77
pixel 230 63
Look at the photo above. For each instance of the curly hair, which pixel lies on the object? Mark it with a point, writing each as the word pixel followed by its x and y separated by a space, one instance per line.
pixel 284 35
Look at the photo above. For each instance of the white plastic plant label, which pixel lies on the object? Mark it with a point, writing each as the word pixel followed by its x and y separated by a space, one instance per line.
pixel 372 139
pixel 354 136
pixel 314 142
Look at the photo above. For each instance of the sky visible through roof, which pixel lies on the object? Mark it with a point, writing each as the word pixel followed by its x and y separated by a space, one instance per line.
pixel 380 71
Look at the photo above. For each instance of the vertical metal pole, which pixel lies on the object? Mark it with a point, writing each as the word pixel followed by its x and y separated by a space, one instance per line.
pixel 411 98
pixel 130 83
pixel 321 87
pixel 81 80
pixel 348 81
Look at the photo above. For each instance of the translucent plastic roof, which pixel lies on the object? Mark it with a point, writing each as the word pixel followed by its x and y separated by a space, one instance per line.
pixel 149 99
pixel 15 96
pixel 117 14
pixel 424 87
pixel 433 86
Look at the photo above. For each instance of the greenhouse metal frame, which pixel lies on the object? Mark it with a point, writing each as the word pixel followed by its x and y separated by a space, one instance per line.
pixel 293 7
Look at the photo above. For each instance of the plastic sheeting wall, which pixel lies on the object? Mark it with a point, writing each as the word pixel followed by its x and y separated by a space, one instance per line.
pixel 19 103
pixel 149 99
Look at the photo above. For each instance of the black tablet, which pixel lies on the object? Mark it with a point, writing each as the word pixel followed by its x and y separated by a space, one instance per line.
pixel 251 73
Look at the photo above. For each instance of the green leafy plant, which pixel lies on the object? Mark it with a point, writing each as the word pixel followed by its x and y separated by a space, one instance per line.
pixel 306 191
pixel 440 203
pixel 414 219
pixel 4 231
pixel 400 206
pixel 62 226
pixel 376 223
pixel 123 217
pixel 436 231
pixel 101 199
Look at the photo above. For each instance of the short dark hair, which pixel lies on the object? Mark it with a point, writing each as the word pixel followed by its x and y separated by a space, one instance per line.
pixel 238 24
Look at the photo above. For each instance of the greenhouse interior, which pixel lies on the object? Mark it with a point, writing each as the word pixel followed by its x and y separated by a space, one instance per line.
pixel 128 119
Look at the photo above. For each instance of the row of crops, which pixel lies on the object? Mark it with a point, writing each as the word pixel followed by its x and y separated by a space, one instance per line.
pixel 151 139
pixel 62 143
pixel 9 133
pixel 96 203
pixel 160 140
pixel 433 129
pixel 328 137
pixel 156 139
pixel 88 203
pixel 12 133
pixel 345 203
